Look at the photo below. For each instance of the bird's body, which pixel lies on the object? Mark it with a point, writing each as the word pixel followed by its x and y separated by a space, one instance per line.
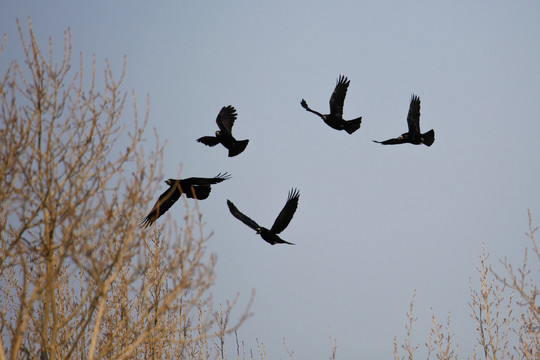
pixel 194 187
pixel 281 222
pixel 413 136
pixel 335 118
pixel 225 121
pixel 271 237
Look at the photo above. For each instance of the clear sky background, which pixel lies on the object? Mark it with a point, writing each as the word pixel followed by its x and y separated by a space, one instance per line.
pixel 374 222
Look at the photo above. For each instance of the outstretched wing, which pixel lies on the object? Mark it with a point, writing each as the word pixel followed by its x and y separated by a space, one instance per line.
pixel 209 140
pixel 243 218
pixel 395 141
pixel 165 201
pixel 286 214
pixel 226 118
pixel 413 117
pixel 193 181
pixel 338 96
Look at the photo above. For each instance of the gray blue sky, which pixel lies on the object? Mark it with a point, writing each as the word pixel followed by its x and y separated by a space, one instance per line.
pixel 374 223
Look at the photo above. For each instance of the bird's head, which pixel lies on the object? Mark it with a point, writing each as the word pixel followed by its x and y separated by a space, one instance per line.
pixel 218 133
pixel 259 230
pixel 169 182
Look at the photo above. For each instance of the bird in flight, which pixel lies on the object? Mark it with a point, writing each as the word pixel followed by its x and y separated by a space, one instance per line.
pixel 194 187
pixel 225 121
pixel 413 121
pixel 283 219
pixel 335 118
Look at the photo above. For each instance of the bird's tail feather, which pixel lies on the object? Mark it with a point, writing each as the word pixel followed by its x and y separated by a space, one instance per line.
pixel 353 125
pixel 429 137
pixel 238 147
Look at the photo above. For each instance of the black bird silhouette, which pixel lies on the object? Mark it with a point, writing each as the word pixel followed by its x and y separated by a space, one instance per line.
pixel 413 136
pixel 225 121
pixel 335 118
pixel 283 219
pixel 194 187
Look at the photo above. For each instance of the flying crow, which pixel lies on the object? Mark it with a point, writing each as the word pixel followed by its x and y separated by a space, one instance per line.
pixel 194 187
pixel 335 118
pixel 225 121
pixel 283 219
pixel 413 136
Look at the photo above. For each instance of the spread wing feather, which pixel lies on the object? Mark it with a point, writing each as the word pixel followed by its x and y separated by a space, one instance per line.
pixel 391 141
pixel 225 119
pixel 338 96
pixel 164 202
pixel 243 218
pixel 413 117
pixel 209 140
pixel 286 214
pixel 194 181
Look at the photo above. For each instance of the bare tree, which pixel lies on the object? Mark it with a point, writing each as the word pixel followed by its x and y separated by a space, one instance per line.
pixel 504 310
pixel 492 312
pixel 522 282
pixel 78 277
